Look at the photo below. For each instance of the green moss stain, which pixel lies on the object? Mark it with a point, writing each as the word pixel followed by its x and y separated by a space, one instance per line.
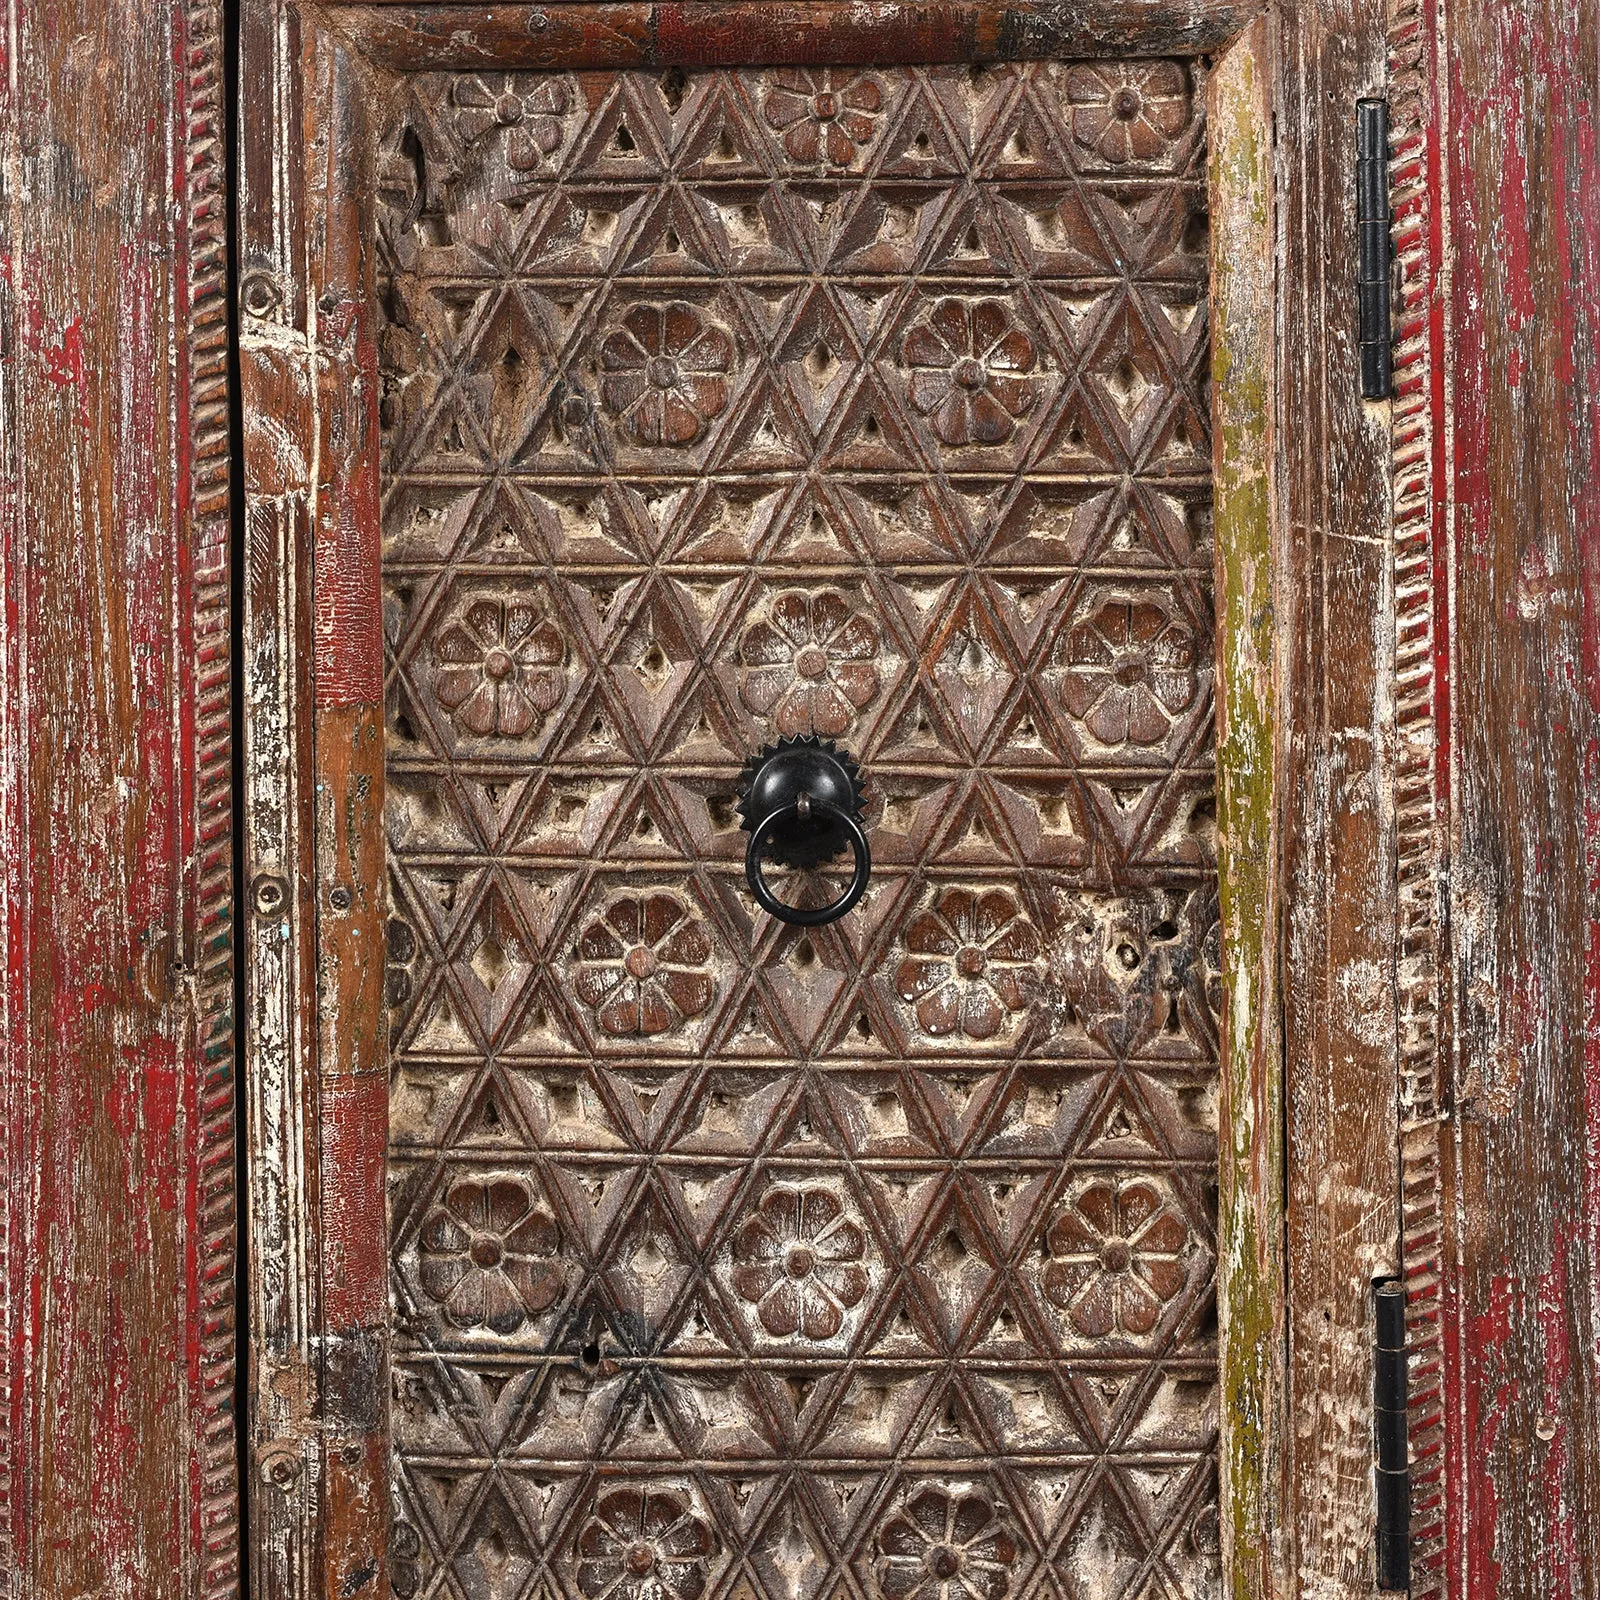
pixel 1250 1268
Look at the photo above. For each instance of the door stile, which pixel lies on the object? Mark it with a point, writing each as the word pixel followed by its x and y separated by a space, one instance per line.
pixel 347 671
pixel 1250 668
pixel 282 1468
pixel 317 1075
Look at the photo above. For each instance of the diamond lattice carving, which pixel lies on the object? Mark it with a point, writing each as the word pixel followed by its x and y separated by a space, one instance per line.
pixel 731 1258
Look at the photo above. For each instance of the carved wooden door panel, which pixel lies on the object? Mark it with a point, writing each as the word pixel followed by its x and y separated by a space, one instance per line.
pixel 729 1257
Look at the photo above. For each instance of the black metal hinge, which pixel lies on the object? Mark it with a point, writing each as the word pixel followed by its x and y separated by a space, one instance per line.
pixel 1372 223
pixel 1389 1431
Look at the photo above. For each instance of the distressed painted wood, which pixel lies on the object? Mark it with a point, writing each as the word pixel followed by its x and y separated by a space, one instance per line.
pixel 116 1086
pixel 1419 494
pixel 818 32
pixel 1249 553
pixel 1344 1078
pixel 1338 862
pixel 1523 418
pixel 113 1088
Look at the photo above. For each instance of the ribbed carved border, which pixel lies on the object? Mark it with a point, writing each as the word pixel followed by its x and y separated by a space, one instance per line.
pixel 211 882
pixel 1413 165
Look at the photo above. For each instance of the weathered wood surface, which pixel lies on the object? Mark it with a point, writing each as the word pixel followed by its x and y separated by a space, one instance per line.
pixel 116 1156
pixel 1524 785
pixel 316 1064
pixel 1251 731
pixel 114 655
pixel 734 493
pixel 1334 660
pixel 410 37
pixel 1344 1079
pixel 1338 863
pixel 1418 496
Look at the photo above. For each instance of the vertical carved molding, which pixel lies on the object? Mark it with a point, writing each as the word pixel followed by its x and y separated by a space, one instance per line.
pixel 1417 199
pixel 279 1101
pixel 210 861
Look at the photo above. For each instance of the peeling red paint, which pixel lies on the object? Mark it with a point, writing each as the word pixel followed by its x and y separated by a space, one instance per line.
pixel 1525 183
pixel 109 1459
pixel 62 352
pixel 62 362
pixel 1524 315
pixel 1550 1312
pixel 1491 1329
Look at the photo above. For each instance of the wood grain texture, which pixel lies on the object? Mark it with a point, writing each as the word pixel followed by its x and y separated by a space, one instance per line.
pixel 1524 782
pixel 600 1029
pixel 316 1073
pixel 116 1154
pixel 114 1087
pixel 696 33
pixel 1338 865
pixel 1336 665
pixel 1250 552
pixel 298 375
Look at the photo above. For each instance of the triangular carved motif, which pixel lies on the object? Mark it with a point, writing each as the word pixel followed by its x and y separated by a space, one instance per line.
pixel 1056 231
pixel 871 434
pixel 428 519
pixel 765 434
pixel 675 238
pixel 489 1118
pixel 862 402
pixel 721 145
pixel 890 229
pixel 581 233
pixel 973 241
pixel 622 141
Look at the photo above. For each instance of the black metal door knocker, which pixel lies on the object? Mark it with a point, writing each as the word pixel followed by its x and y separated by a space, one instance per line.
pixel 800 801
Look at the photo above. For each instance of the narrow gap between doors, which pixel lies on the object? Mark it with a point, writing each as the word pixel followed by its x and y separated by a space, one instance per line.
pixel 242 1321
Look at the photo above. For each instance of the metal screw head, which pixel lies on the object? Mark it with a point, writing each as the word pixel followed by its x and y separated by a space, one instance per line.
pixel 271 895
pixel 339 897
pixel 281 1466
pixel 260 294
pixel 538 21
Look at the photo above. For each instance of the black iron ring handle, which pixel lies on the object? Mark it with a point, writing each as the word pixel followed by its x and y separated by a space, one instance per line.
pixel 799 810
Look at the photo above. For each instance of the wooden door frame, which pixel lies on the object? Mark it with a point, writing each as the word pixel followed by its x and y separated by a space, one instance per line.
pixel 116 1194
pixel 117 1438
pixel 315 1068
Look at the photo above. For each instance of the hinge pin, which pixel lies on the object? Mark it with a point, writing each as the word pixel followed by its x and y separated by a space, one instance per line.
pixel 1372 223
pixel 1389 1430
